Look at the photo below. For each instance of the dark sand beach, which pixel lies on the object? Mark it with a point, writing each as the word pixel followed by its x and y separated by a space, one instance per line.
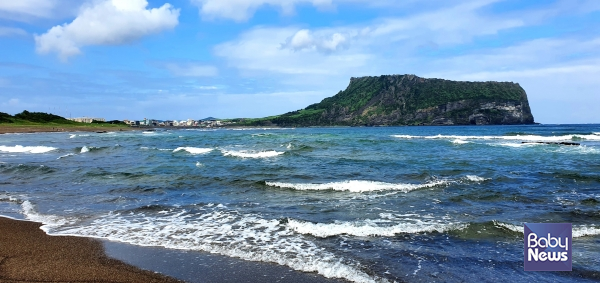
pixel 27 254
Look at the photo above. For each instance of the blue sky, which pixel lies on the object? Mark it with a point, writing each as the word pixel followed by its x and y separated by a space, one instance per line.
pixel 180 59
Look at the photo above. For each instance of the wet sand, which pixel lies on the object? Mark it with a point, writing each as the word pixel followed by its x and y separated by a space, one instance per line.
pixel 27 254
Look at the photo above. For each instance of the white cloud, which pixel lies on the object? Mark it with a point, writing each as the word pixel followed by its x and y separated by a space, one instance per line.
pixel 379 47
pixel 207 87
pixel 259 50
pixel 108 22
pixel 242 10
pixel 192 70
pixel 305 39
pixel 13 9
pixel 7 31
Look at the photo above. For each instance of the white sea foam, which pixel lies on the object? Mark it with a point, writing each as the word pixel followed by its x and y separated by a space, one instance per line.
pixel 357 186
pixel 459 141
pixel 583 231
pixel 532 138
pixel 148 132
pixel 509 226
pixel 406 136
pixel 65 156
pixel 9 198
pixel 85 149
pixel 251 154
pixel 370 228
pixel 72 136
pixel 577 232
pixel 194 150
pixel 161 149
pixel 229 233
pixel 474 178
pixel 198 164
pixel 49 221
pixel 29 149
pixel 576 150
pixel 517 144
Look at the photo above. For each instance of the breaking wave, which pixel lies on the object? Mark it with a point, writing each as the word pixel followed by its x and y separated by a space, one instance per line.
pixel 459 141
pixel 29 149
pixel 194 150
pixel 370 228
pixel 215 230
pixel 357 186
pixel 578 231
pixel 65 156
pixel 474 178
pixel 252 154
pixel 533 138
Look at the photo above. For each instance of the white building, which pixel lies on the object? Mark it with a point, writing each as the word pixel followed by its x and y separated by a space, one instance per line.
pixel 86 119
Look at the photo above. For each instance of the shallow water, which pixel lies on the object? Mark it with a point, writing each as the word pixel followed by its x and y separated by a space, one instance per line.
pixel 416 204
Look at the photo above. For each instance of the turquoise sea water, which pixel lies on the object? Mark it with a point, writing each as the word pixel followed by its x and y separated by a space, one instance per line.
pixel 414 204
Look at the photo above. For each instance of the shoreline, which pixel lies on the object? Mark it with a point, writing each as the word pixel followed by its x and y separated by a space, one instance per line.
pixel 28 254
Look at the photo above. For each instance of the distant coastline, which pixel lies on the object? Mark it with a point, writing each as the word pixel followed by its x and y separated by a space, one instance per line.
pixel 50 128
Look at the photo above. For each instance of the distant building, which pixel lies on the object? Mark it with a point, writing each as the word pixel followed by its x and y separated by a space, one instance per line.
pixel 87 119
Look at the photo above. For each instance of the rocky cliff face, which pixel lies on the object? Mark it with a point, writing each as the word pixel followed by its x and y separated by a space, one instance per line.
pixel 411 100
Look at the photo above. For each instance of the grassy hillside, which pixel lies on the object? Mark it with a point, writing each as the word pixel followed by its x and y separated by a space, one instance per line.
pixel 42 122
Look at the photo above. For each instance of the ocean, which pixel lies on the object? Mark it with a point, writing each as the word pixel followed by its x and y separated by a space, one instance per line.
pixel 406 204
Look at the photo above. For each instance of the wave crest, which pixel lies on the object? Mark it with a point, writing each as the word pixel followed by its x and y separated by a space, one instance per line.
pixel 194 150
pixel 356 186
pixel 533 138
pixel 29 149
pixel 369 228
pixel 252 154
